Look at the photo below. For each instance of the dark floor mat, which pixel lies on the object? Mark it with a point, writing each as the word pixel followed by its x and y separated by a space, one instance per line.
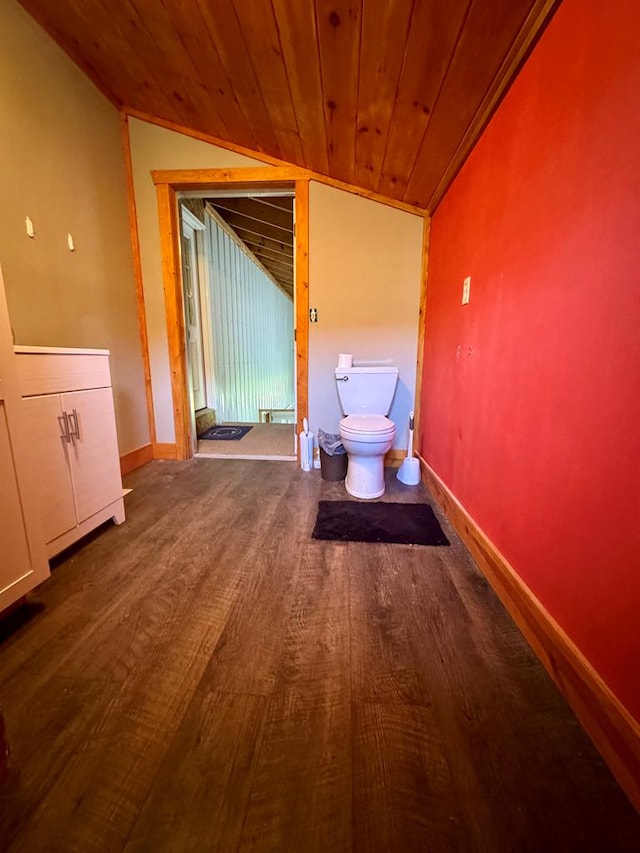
pixel 399 523
pixel 224 433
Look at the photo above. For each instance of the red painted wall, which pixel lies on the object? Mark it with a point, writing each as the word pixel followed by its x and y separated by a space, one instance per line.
pixel 531 393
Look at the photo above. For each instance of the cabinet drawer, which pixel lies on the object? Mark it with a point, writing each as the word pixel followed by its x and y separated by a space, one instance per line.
pixel 49 373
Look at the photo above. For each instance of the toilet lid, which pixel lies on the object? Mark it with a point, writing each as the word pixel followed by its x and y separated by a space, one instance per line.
pixel 371 424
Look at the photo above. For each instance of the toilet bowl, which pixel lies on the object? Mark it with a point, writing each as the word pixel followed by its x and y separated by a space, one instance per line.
pixel 366 394
pixel 366 438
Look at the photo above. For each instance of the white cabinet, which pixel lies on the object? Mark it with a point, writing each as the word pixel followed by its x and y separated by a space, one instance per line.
pixel 22 561
pixel 70 427
pixel 23 564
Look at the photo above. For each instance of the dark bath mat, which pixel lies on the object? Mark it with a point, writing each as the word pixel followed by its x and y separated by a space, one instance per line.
pixel 403 524
pixel 224 433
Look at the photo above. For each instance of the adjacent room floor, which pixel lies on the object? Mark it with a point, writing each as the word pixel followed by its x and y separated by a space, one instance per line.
pixel 206 677
pixel 263 441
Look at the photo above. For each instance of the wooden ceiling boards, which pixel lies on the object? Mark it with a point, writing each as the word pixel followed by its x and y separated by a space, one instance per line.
pixel 384 95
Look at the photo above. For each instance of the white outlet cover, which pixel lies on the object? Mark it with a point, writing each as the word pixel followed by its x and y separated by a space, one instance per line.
pixel 466 290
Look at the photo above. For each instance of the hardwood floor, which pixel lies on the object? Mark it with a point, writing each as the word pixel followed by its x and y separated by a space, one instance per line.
pixel 206 677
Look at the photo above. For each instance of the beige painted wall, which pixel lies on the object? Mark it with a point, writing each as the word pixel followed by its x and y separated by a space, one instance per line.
pixel 61 164
pixel 154 147
pixel 365 263
pixel 364 278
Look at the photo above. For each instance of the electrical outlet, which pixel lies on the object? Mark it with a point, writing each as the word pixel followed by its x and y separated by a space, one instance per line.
pixel 313 315
pixel 466 290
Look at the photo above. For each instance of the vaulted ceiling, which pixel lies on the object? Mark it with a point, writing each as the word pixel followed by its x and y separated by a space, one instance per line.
pixel 264 225
pixel 386 95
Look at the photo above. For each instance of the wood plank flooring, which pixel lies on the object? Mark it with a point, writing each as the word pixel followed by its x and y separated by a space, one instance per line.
pixel 206 677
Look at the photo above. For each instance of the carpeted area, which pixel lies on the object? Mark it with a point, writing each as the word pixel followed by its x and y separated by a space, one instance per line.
pixel 265 441
pixel 397 523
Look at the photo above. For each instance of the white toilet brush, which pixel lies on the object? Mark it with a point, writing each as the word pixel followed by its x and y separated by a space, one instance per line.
pixel 409 470
pixel 306 447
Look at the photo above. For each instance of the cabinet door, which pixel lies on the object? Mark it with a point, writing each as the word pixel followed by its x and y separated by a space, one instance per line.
pixel 14 548
pixel 44 427
pixel 23 564
pixel 95 463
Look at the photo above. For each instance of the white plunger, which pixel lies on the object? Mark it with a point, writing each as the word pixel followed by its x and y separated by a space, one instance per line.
pixel 409 470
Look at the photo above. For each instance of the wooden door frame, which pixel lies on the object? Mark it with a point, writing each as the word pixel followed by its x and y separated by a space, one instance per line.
pixel 422 327
pixel 168 184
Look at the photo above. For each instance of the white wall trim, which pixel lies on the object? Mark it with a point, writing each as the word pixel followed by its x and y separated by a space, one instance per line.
pixel 189 219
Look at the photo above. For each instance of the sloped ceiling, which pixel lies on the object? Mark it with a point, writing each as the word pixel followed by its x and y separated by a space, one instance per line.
pixel 264 225
pixel 386 95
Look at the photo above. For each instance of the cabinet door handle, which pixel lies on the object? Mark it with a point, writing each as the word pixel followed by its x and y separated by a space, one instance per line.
pixel 74 426
pixel 64 427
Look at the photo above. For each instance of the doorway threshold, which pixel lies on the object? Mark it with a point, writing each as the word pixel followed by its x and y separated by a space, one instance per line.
pixel 245 456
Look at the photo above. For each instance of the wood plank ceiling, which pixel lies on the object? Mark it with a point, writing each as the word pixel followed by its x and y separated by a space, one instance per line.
pixel 264 226
pixel 386 95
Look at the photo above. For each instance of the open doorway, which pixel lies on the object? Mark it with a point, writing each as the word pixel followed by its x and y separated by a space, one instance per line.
pixel 169 184
pixel 238 276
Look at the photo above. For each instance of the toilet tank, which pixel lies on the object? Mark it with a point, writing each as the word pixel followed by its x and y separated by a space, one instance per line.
pixel 366 390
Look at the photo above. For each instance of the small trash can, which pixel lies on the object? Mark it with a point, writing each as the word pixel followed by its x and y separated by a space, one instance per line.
pixel 333 456
pixel 333 467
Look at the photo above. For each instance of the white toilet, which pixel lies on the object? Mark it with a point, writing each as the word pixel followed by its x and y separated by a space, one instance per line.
pixel 365 395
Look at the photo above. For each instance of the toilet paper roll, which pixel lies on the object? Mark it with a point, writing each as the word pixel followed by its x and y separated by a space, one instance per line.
pixel 345 360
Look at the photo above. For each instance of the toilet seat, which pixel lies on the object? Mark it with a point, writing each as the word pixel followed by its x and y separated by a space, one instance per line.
pixel 376 427
pixel 366 438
